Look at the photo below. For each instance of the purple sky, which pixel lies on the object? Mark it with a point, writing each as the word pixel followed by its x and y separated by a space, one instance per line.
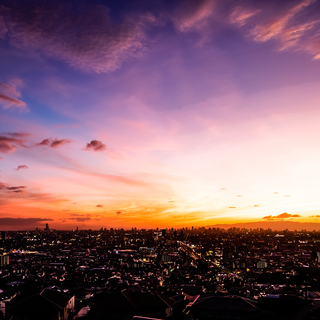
pixel 159 113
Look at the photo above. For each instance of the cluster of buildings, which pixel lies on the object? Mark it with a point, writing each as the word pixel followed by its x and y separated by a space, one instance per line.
pixel 190 274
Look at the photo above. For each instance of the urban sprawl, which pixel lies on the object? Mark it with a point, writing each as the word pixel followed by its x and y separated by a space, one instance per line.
pixel 187 274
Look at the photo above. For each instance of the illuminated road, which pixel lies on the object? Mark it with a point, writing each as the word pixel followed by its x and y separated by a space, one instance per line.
pixel 190 251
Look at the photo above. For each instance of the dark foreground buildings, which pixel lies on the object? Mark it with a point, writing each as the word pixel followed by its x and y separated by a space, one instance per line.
pixel 161 274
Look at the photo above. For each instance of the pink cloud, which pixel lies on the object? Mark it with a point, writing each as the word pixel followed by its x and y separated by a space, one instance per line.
pixel 9 95
pixel 54 143
pixel 96 145
pixel 193 15
pixel 241 14
pixel 22 167
pixel 9 142
pixel 276 27
pixel 295 28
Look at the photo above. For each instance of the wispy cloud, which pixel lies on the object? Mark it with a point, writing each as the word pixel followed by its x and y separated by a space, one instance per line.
pixel 277 27
pixel 294 27
pixel 291 24
pixel 9 95
pixel 85 36
pixel 82 217
pixel 193 15
pixel 9 142
pixel 240 15
pixel 23 166
pixel 11 188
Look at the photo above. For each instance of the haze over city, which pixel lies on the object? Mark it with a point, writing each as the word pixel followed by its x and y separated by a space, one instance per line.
pixel 121 114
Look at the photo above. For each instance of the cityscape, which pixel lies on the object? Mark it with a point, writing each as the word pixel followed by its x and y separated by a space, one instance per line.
pixel 159 160
pixel 188 273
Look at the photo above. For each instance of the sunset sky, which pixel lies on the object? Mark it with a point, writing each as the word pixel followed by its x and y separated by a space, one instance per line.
pixel 159 113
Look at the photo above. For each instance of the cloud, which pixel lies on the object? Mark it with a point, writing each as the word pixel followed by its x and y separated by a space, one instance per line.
pixel 293 24
pixel 240 15
pixel 23 166
pixel 87 37
pixel 232 207
pixel 84 36
pixel 277 27
pixel 7 102
pixel 9 142
pixel 14 189
pixel 270 217
pixel 96 145
pixel 193 15
pixel 22 222
pixel 9 95
pixel 119 212
pixel 284 215
pixel 54 143
pixel 99 206
pixel 79 219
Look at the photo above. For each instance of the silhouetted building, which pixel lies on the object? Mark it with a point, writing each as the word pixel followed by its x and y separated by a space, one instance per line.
pixel 4 258
pixel 51 303
pixel 126 304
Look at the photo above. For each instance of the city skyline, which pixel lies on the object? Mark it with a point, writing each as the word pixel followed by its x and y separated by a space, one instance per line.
pixel 159 114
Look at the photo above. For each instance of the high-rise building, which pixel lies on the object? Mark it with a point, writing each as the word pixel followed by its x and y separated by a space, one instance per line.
pixel 4 258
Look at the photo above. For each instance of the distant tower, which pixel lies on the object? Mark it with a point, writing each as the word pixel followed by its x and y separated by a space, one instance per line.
pixel 47 227
pixel 3 235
